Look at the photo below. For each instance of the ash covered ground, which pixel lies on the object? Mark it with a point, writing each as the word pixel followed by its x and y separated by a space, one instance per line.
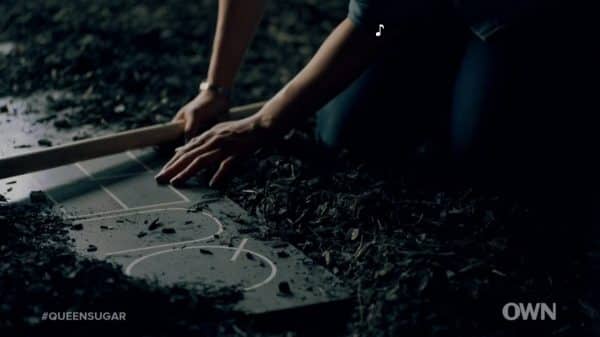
pixel 425 258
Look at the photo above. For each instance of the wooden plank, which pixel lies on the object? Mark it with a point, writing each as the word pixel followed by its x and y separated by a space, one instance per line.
pixel 102 146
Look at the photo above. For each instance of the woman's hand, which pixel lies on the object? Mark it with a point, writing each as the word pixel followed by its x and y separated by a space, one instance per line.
pixel 341 59
pixel 221 145
pixel 203 109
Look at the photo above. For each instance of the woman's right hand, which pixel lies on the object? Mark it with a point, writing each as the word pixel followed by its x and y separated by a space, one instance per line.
pixel 205 109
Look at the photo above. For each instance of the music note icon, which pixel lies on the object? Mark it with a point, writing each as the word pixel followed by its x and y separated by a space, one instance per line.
pixel 381 27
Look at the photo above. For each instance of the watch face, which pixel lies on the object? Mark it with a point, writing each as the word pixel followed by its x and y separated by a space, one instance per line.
pixel 215 88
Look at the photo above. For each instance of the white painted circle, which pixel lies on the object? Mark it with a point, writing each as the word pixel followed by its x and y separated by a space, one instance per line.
pixel 217 223
pixel 270 263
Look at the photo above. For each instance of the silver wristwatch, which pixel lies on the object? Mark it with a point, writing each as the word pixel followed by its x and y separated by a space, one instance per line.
pixel 214 88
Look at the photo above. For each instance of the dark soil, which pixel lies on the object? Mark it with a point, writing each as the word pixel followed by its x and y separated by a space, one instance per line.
pixel 132 63
pixel 40 273
pixel 424 259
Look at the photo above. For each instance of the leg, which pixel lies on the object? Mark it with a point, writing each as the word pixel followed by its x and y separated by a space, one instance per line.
pixel 522 121
pixel 479 93
pixel 510 99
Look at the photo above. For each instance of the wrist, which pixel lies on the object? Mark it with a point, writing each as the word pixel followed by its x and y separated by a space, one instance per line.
pixel 263 130
pixel 267 121
pixel 221 101
pixel 213 96
pixel 215 88
pixel 212 105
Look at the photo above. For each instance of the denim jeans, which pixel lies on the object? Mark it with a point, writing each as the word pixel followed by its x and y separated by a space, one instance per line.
pixel 518 102
pixel 518 111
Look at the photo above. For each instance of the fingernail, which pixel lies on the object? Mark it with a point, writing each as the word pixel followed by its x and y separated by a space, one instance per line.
pixel 159 178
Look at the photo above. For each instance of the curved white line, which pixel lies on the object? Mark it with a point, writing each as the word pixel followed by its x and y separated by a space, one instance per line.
pixel 118 212
pixel 130 212
pixel 208 215
pixel 260 284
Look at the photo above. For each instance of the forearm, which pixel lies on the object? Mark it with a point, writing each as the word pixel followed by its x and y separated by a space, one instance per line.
pixel 341 59
pixel 237 21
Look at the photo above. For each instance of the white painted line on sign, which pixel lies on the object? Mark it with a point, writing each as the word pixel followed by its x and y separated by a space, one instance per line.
pixel 115 176
pixel 120 211
pixel 185 198
pixel 149 169
pixel 109 192
pixel 138 249
pixel 134 157
pixel 260 256
pixel 239 249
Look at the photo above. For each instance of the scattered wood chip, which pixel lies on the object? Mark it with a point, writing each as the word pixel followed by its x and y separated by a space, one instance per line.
pixel 38 196
pixel 44 142
pixel 283 254
pixel 206 252
pixel 279 245
pixel 248 230
pixel 284 289
pixel 168 230
pixel 119 108
pixel 62 123
pixel 497 272
pixel 154 224
pixel 354 234
pixel 81 136
pixel 77 226
pixel 327 255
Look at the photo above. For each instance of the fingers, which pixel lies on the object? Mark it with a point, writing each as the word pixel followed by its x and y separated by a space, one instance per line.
pixel 190 127
pixel 179 161
pixel 168 171
pixel 188 123
pixel 202 151
pixel 160 177
pixel 198 163
pixel 178 116
pixel 224 169
pixel 195 142
pixel 218 145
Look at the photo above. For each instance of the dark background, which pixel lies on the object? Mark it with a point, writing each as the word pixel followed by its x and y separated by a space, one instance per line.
pixel 426 258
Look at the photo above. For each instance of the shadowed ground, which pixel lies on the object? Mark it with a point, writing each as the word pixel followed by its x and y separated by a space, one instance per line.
pixel 425 258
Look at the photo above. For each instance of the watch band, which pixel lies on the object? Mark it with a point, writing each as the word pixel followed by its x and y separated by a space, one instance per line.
pixel 214 88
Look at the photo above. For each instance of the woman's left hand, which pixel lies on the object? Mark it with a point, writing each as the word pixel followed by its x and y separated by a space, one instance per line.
pixel 222 145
